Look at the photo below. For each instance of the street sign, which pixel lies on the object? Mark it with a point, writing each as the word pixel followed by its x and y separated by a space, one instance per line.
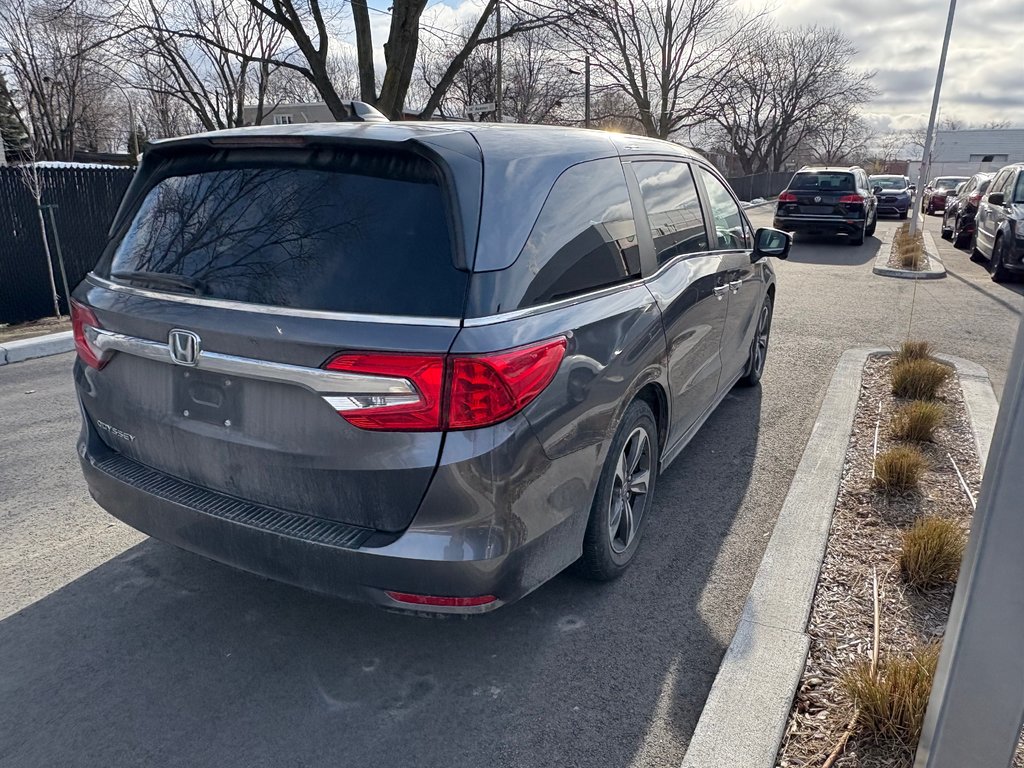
pixel 479 109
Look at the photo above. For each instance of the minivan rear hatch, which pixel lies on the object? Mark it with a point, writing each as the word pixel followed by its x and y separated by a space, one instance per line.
pixel 233 279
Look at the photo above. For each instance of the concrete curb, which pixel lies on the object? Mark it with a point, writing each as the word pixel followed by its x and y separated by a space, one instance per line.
pixel 38 346
pixel 745 714
pixel 934 271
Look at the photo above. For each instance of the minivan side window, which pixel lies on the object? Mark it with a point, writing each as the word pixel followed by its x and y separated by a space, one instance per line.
pixel 673 208
pixel 584 237
pixel 729 222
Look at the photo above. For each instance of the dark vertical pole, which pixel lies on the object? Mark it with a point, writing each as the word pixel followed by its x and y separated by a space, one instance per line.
pixel 60 256
pixel 497 74
pixel 586 91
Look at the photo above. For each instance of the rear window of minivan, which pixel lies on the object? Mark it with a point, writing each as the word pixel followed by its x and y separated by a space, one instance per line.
pixel 346 231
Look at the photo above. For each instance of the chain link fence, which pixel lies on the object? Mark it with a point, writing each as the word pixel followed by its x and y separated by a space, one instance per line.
pixel 759 184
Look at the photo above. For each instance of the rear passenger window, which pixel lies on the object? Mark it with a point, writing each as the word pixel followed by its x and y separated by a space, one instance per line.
pixel 730 226
pixel 584 237
pixel 673 208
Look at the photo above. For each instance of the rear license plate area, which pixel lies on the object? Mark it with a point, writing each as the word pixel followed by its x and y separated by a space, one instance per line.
pixel 207 397
pixel 818 209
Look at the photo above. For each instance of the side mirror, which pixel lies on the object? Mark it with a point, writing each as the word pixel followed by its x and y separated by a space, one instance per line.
pixel 996 198
pixel 912 187
pixel 771 242
pixel 875 190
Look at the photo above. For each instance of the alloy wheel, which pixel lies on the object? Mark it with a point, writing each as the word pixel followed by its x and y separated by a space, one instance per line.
pixel 764 328
pixel 629 490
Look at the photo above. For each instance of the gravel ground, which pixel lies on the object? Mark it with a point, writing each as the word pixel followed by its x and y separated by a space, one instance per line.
pixel 865 538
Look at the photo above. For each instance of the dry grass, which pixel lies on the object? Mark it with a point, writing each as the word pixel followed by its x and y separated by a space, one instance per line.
pixel 917 421
pixel 891 704
pixel 914 350
pixel 919 379
pixel 898 470
pixel 909 252
pixel 932 551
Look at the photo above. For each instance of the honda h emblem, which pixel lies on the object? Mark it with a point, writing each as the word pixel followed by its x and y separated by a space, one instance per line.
pixel 184 346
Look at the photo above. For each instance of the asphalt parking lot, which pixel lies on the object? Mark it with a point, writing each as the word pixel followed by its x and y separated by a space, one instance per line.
pixel 116 650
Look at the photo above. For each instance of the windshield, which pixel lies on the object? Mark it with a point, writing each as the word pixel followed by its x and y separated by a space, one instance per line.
pixel 364 232
pixel 823 181
pixel 889 182
pixel 948 182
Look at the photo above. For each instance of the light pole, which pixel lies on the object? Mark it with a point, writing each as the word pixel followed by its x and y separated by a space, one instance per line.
pixel 497 73
pixel 586 88
pixel 926 159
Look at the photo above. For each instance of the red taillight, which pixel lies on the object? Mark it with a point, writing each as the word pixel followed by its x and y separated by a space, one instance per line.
pixel 487 389
pixel 450 602
pixel 851 199
pixel 83 318
pixel 453 391
pixel 787 197
pixel 975 198
pixel 395 412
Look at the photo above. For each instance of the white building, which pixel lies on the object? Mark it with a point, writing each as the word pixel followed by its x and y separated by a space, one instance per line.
pixel 963 153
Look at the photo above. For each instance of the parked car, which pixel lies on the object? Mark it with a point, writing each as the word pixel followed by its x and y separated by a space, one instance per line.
pixel 958 218
pixel 933 198
pixel 999 225
pixel 829 201
pixel 427 366
pixel 893 193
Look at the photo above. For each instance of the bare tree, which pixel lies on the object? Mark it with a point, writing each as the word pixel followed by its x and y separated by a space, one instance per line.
pixel 841 136
pixel 782 85
pixel 665 55
pixel 32 178
pixel 51 51
pixel 215 74
pixel 537 81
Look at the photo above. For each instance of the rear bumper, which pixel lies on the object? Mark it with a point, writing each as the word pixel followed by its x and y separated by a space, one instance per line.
pixel 325 556
pixel 825 225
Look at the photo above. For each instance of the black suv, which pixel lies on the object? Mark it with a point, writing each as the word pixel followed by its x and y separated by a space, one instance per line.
pixel 958 218
pixel 829 201
pixel 426 366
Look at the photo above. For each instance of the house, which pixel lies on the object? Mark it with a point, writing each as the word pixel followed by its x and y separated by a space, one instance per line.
pixel 966 152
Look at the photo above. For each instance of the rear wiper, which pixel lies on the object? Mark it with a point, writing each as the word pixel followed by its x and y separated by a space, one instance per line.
pixel 161 278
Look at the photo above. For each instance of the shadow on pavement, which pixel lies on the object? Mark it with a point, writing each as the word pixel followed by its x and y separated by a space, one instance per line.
pixel 821 249
pixel 158 657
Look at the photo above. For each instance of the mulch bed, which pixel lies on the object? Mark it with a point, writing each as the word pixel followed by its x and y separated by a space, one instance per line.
pixel 865 538
pixel 34 328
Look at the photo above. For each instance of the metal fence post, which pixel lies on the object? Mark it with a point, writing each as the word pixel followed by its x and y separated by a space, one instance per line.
pixel 60 256
pixel 977 702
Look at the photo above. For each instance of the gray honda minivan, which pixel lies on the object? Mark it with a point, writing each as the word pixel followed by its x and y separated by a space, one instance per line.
pixel 427 366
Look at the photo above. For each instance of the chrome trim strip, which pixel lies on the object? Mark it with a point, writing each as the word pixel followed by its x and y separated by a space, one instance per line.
pixel 815 216
pixel 265 309
pixel 540 309
pixel 314 379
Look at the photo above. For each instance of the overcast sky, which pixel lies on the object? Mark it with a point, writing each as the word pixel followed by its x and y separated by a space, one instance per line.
pixel 899 39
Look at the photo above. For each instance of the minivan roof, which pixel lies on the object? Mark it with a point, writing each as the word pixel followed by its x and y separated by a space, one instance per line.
pixel 521 163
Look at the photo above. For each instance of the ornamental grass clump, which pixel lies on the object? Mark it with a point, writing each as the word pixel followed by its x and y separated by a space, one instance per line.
pixel 898 470
pixel 891 702
pixel 919 379
pixel 917 421
pixel 932 551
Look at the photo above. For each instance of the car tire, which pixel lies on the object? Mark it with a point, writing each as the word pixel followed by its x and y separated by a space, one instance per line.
pixel 1000 274
pixel 859 239
pixel 759 345
pixel 975 253
pixel 958 235
pixel 946 231
pixel 616 523
pixel 870 230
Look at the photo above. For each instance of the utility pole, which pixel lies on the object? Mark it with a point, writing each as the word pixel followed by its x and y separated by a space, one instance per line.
pixel 497 74
pixel 926 158
pixel 977 702
pixel 586 91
